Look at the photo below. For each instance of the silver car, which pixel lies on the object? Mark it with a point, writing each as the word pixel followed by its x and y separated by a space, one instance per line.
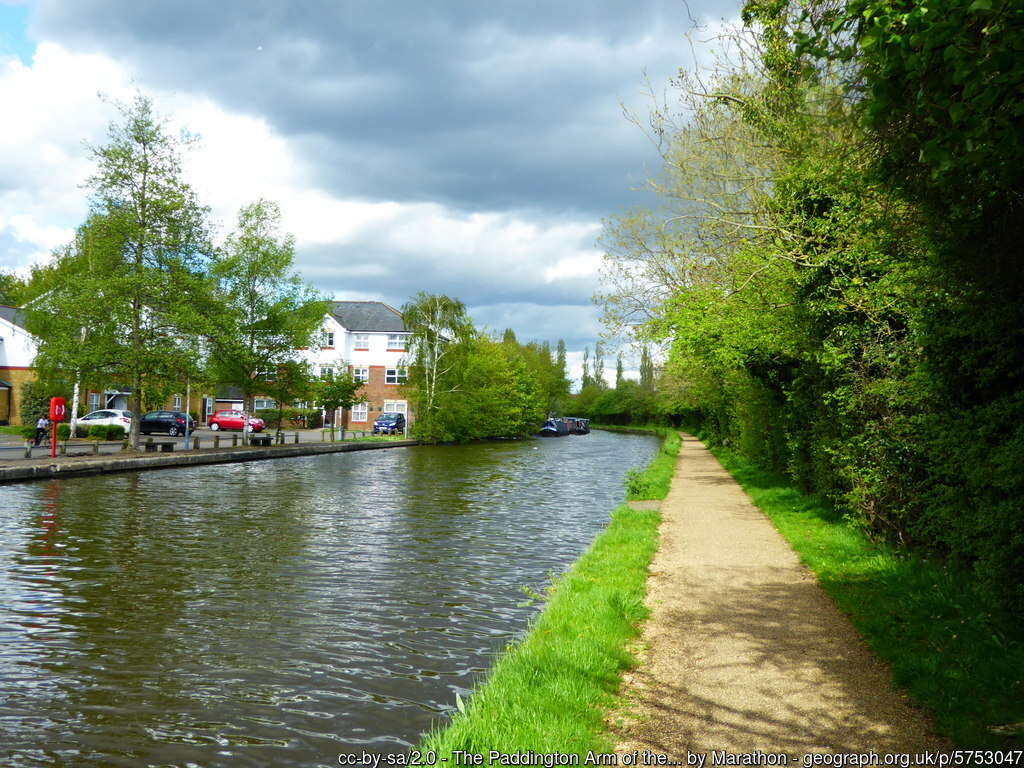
pixel 106 417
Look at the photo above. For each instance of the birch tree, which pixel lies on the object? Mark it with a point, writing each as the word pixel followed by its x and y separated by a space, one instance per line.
pixel 438 323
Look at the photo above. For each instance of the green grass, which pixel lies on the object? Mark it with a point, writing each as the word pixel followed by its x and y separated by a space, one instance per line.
pixel 549 691
pixel 960 660
pixel 654 481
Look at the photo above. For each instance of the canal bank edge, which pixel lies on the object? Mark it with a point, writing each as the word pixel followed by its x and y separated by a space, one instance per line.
pixel 77 466
pixel 549 692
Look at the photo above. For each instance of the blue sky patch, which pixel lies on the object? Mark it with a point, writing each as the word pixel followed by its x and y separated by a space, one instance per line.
pixel 13 32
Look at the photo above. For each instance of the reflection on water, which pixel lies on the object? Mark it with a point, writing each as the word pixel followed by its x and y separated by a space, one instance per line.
pixel 280 612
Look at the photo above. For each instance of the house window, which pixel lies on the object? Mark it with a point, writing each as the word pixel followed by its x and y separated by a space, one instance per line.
pixel 266 375
pixel 360 341
pixel 396 342
pixel 329 339
pixel 361 375
pixel 326 372
pixel 359 412
pixel 177 403
pixel 396 406
pixel 261 404
pixel 395 375
pixel 94 401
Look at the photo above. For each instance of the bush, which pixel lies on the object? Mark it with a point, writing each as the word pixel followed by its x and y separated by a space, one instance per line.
pixel 28 432
pixel 97 432
pixel 115 432
pixel 63 431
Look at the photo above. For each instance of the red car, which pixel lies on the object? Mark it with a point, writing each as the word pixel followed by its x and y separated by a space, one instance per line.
pixel 234 420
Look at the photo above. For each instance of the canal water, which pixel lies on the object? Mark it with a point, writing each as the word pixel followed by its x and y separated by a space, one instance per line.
pixel 280 613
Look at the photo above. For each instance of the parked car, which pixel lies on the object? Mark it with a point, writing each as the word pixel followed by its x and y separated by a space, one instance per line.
pixel 389 424
pixel 107 417
pixel 232 419
pixel 171 422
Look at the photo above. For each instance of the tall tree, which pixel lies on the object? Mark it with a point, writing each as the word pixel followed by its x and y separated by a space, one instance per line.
pixel 141 258
pixel 264 314
pixel 438 324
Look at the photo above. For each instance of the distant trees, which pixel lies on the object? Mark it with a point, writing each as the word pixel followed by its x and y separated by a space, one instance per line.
pixel 465 385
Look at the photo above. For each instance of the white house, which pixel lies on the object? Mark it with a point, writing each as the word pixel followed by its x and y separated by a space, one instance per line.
pixel 370 339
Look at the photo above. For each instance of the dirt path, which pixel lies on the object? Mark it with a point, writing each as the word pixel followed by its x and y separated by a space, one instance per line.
pixel 744 651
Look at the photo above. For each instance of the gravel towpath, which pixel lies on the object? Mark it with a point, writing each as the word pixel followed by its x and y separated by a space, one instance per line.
pixel 744 652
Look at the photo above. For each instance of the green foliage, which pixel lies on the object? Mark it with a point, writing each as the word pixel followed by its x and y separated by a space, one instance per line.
pixel 834 267
pixel 63 431
pixel 465 386
pixel 122 302
pixel 262 313
pixel 12 289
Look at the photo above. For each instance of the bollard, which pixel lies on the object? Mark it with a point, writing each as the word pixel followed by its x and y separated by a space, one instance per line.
pixel 28 449
pixel 195 443
pixel 216 442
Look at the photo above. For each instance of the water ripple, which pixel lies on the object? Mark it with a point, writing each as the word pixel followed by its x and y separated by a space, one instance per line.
pixel 280 612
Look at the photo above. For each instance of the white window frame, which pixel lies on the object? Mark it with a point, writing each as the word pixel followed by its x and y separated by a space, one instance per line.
pixel 394 377
pixel 396 342
pixel 262 404
pixel 94 402
pixel 361 374
pixel 360 341
pixel 396 406
pixel 177 403
pixel 359 412
pixel 328 339
pixel 326 370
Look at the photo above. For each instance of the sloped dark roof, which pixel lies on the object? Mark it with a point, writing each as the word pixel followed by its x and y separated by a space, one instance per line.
pixel 12 315
pixel 368 316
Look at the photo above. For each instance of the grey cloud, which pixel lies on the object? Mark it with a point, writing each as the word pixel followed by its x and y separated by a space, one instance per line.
pixel 479 106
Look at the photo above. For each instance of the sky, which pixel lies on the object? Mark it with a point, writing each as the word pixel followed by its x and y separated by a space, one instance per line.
pixel 467 148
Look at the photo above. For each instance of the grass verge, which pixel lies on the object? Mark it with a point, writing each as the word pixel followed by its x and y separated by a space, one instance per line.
pixel 959 660
pixel 654 481
pixel 548 692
